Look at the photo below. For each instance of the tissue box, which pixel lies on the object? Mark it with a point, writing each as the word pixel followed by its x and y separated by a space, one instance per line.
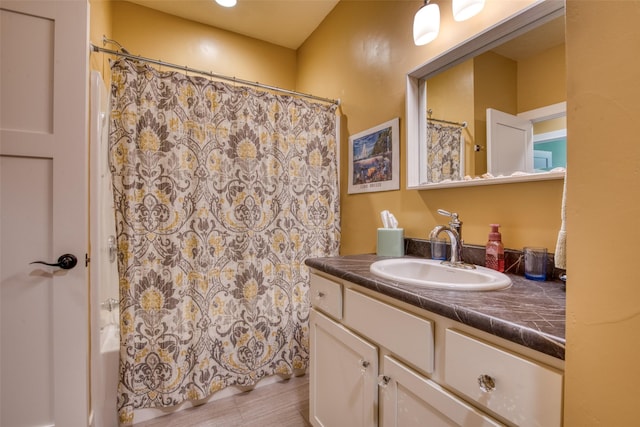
pixel 390 242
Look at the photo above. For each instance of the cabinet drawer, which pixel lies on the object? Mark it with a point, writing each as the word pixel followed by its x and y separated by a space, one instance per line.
pixel 409 337
pixel 326 296
pixel 518 389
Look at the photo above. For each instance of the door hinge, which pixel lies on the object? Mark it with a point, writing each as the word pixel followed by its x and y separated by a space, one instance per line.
pixel 86 260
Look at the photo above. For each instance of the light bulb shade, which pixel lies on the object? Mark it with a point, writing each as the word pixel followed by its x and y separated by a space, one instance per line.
pixel 426 24
pixel 465 9
pixel 226 3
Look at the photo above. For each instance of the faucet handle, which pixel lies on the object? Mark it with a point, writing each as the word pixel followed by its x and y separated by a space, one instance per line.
pixel 443 212
pixel 452 215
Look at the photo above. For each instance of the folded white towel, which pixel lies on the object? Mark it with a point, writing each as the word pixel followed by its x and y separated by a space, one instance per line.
pixel 560 257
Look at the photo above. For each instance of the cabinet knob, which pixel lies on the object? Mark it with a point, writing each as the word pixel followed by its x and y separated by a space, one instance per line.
pixel 363 366
pixel 383 381
pixel 320 294
pixel 487 383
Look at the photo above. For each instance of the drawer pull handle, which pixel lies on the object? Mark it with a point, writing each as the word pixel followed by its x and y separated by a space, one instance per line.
pixel 320 294
pixel 487 383
pixel 383 381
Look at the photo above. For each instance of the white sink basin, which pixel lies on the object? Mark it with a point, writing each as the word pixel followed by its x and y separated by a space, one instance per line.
pixel 434 274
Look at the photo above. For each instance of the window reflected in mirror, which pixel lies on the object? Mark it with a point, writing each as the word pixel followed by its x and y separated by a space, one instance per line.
pixel 550 144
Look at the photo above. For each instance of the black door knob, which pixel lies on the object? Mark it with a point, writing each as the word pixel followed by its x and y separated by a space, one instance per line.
pixel 65 262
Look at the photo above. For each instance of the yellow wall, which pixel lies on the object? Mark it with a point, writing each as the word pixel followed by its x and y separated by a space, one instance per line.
pixel 451 93
pixel 146 32
pixel 495 86
pixel 550 125
pixel 541 79
pixel 361 54
pixel 100 24
pixel 602 385
pixel 451 98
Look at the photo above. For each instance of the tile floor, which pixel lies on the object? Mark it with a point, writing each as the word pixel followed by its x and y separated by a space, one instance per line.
pixel 282 404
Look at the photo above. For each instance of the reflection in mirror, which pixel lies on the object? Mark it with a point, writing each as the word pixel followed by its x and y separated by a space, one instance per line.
pixel 550 149
pixel 511 98
pixel 445 149
pixel 490 91
pixel 549 137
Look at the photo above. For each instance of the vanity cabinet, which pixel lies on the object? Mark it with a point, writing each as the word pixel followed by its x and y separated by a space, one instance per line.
pixel 376 362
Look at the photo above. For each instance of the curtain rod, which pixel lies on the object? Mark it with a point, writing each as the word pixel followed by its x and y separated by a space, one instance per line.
pixel 95 48
pixel 430 111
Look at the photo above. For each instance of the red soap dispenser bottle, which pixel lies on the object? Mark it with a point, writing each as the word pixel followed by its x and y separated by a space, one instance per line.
pixel 494 253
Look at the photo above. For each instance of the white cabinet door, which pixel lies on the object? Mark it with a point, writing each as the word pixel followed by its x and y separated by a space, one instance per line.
pixel 343 371
pixel 410 400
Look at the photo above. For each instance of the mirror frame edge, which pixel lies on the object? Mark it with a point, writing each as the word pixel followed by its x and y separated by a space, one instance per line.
pixel 416 103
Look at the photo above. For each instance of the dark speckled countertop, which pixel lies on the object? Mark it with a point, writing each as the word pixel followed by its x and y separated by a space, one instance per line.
pixel 529 313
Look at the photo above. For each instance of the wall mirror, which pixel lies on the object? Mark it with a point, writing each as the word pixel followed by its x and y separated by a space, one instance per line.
pixel 492 110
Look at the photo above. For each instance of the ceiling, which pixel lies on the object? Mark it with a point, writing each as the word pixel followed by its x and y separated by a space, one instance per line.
pixel 285 23
pixel 534 41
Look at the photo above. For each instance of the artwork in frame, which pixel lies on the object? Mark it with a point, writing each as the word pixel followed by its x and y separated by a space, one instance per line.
pixel 374 159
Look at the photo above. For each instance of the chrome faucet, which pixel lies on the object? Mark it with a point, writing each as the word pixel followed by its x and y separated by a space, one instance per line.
pixel 454 231
pixel 454 224
pixel 454 238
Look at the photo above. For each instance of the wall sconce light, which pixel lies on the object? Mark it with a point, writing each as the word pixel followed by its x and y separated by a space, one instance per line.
pixel 426 24
pixel 465 9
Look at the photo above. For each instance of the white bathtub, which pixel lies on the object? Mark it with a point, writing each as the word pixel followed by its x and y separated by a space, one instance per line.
pixel 105 339
pixel 106 413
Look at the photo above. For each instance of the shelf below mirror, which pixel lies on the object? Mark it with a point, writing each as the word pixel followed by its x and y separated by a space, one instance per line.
pixel 539 176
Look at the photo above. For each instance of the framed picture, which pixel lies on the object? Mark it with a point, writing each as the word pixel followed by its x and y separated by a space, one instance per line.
pixel 374 159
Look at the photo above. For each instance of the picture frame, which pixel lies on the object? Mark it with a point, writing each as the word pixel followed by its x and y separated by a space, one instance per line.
pixel 374 159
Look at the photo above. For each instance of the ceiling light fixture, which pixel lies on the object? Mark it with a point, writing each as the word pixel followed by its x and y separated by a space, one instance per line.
pixel 465 9
pixel 226 3
pixel 426 24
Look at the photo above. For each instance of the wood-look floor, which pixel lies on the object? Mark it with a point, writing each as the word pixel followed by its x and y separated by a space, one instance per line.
pixel 282 404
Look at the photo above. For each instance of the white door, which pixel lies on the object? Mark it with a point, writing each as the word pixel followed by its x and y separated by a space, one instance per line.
pixel 43 213
pixel 509 143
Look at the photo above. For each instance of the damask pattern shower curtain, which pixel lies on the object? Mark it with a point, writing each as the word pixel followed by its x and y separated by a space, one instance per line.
pixel 445 148
pixel 221 193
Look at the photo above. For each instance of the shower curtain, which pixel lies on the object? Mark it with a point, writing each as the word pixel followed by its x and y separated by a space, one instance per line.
pixel 221 193
pixel 445 148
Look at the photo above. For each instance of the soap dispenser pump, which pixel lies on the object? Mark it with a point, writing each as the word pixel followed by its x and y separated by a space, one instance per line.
pixel 494 253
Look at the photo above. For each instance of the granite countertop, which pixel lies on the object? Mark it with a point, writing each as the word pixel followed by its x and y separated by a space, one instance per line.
pixel 529 313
